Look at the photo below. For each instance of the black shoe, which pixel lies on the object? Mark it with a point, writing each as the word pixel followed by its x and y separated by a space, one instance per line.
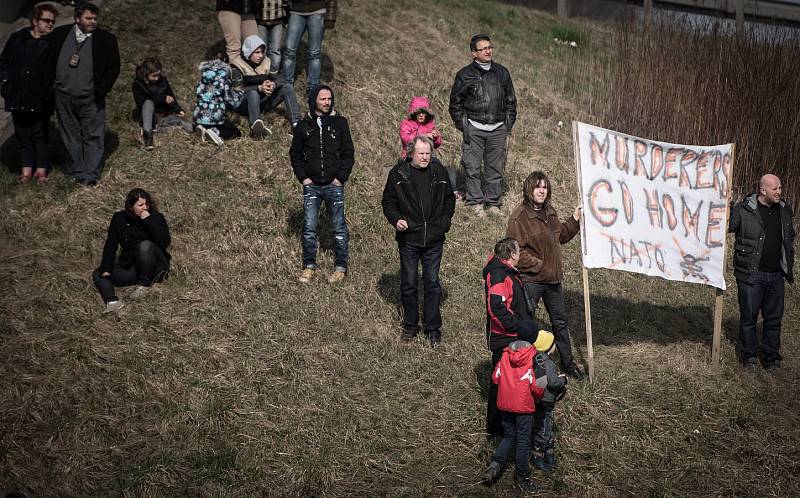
pixel 575 373
pixel 526 485
pixel 435 338
pixel 147 140
pixel 750 364
pixel 408 335
pixel 491 474
pixel 772 368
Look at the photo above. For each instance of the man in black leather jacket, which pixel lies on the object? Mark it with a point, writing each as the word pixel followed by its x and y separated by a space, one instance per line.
pixel 763 257
pixel 483 106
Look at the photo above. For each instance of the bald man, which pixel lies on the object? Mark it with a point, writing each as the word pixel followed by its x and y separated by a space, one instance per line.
pixel 763 257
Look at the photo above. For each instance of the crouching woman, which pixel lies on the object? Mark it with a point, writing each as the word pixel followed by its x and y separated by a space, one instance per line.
pixel 142 234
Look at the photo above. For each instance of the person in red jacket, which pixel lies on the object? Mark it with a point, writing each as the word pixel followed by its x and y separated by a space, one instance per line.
pixel 517 391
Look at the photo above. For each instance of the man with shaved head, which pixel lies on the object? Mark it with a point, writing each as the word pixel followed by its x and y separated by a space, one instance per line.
pixel 763 257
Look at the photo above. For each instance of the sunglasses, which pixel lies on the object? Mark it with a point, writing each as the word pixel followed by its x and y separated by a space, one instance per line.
pixel 48 21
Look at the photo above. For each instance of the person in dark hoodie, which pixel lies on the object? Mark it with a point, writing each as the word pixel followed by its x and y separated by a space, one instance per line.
pixel 141 231
pixel 157 107
pixel 418 201
pixel 506 314
pixel 322 157
pixel 25 91
pixel 518 391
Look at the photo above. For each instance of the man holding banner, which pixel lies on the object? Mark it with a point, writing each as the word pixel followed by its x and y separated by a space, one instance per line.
pixel 763 256
pixel 535 226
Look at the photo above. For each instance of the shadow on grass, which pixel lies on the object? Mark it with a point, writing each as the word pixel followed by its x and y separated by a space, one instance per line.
pixel 618 321
pixel 295 223
pixel 10 155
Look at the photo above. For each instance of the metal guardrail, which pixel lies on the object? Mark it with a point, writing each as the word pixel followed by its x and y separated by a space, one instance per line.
pixel 785 10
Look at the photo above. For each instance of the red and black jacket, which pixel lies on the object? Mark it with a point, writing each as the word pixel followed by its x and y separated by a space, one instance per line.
pixel 505 303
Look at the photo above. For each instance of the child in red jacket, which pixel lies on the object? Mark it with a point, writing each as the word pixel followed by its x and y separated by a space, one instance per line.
pixel 517 391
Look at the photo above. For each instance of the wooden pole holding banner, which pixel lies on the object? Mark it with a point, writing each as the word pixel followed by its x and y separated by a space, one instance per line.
pixel 587 310
pixel 715 341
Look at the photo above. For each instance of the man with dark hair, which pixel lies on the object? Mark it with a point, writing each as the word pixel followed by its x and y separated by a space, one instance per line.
pixel 535 225
pixel 418 201
pixel 484 107
pixel 24 87
pixel 506 315
pixel 84 64
pixel 763 257
pixel 322 158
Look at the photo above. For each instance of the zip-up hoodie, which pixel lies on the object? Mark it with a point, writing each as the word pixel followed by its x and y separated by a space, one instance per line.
pixel 401 201
pixel 214 93
pixel 514 377
pixel 322 148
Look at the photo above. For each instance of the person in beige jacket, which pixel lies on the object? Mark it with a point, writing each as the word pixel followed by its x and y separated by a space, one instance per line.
pixel 534 224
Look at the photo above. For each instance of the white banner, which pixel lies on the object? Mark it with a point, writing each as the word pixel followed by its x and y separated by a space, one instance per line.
pixel 653 207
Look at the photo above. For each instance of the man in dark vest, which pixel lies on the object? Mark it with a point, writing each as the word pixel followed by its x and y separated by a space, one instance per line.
pixel 84 64
pixel 763 257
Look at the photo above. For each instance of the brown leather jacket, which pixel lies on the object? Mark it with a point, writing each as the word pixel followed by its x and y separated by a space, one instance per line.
pixel 540 240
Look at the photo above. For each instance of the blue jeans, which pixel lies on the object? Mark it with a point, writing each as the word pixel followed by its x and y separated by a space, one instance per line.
pixel 542 434
pixel 553 297
pixel 333 195
pixel 272 36
pixel 765 295
pixel 431 257
pixel 298 25
pixel 254 104
pixel 516 429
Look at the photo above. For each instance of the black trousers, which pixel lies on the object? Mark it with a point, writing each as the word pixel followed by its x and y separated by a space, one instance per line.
pixel 494 418
pixel 30 130
pixel 150 266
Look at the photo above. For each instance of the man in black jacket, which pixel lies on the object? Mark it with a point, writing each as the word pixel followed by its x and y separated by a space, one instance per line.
pixel 322 158
pixel 763 256
pixel 84 64
pixel 484 107
pixel 418 201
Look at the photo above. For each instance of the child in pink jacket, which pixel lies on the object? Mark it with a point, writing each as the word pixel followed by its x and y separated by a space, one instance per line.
pixel 420 121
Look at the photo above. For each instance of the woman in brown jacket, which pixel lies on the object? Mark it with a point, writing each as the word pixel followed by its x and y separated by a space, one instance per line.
pixel 534 225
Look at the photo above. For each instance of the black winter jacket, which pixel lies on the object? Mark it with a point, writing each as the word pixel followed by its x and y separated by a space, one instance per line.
pixel 23 73
pixel 401 201
pixel 746 223
pixel 483 96
pixel 126 231
pixel 239 6
pixel 322 154
pixel 105 56
pixel 157 92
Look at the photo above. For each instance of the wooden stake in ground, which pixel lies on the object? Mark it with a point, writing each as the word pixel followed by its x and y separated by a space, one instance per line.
pixel 587 310
pixel 715 341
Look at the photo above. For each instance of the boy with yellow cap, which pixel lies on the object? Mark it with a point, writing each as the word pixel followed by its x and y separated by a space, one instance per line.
pixel 554 385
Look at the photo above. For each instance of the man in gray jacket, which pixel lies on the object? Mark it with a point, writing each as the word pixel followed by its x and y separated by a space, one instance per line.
pixel 763 257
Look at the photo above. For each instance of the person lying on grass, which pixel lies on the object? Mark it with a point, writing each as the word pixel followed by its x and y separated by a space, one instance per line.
pixel 142 234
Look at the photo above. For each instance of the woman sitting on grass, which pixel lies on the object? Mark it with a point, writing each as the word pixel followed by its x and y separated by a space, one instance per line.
pixel 142 233
pixel 156 105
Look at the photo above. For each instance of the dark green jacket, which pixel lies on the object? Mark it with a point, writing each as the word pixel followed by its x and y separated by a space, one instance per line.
pixel 746 223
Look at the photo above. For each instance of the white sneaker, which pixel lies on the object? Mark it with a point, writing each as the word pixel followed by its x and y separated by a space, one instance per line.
pixel 478 210
pixel 259 130
pixel 209 133
pixel 113 306
pixel 139 292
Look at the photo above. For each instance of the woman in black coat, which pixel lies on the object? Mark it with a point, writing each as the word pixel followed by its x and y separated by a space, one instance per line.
pixel 143 235
pixel 24 87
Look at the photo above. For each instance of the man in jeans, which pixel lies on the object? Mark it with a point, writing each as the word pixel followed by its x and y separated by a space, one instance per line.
pixel 484 107
pixel 322 157
pixel 535 226
pixel 418 201
pixel 763 257
pixel 314 16
pixel 84 61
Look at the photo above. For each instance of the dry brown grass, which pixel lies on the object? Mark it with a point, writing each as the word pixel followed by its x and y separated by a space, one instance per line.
pixel 233 380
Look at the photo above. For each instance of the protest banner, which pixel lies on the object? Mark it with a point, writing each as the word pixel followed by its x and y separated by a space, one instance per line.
pixel 652 207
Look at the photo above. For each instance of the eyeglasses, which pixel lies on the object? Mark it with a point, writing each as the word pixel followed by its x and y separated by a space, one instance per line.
pixel 48 21
pixel 484 49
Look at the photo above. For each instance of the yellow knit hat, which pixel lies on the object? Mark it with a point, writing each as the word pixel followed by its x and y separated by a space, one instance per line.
pixel 544 341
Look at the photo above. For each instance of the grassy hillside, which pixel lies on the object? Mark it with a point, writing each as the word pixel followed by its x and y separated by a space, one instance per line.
pixel 234 380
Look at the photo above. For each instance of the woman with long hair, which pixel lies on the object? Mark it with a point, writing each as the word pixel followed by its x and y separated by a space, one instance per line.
pixel 142 234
